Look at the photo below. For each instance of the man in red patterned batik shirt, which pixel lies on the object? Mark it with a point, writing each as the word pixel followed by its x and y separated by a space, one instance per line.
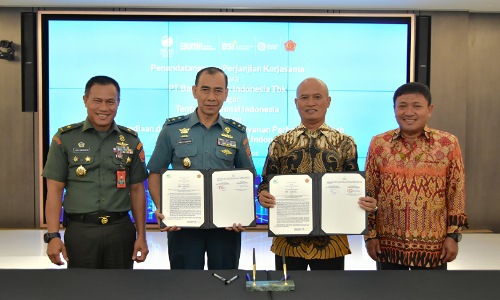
pixel 416 173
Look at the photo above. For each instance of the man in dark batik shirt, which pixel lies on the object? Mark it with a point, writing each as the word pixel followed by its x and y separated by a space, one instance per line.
pixel 312 147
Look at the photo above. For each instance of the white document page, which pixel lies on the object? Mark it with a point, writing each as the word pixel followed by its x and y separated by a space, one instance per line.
pixel 292 214
pixel 233 198
pixel 183 198
pixel 340 212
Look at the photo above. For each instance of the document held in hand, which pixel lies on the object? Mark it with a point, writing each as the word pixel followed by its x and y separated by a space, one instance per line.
pixel 208 198
pixel 317 204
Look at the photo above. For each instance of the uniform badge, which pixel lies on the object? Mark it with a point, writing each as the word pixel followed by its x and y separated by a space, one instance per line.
pixel 87 159
pixel 227 130
pixel 81 148
pixel 142 155
pixel 226 151
pixel 226 143
pixel 184 132
pixel 121 149
pixel 75 159
pixel 104 220
pixel 128 160
pixel 81 171
pixel 186 162
pixel 247 146
pixel 122 138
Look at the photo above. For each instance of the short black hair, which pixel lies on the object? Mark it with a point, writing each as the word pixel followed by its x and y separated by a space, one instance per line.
pixel 211 71
pixel 101 80
pixel 413 88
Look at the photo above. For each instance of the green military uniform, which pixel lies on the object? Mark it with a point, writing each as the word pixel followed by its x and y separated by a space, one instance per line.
pixel 185 143
pixel 98 169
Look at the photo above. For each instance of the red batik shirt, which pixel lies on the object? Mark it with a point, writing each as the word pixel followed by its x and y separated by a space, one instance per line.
pixel 420 190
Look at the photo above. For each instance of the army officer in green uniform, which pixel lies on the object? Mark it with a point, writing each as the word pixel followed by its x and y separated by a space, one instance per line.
pixel 101 167
pixel 201 140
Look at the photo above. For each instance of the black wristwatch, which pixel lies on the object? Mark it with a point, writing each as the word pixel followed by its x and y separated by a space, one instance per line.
pixel 50 235
pixel 456 236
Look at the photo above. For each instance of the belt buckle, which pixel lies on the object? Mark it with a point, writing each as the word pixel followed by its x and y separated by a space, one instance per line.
pixel 104 220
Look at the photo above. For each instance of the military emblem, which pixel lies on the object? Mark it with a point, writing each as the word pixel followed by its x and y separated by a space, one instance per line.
pixel 87 159
pixel 121 149
pixel 184 132
pixel 142 155
pixel 81 144
pixel 227 130
pixel 186 162
pixel 122 144
pixel 75 159
pixel 81 171
pixel 104 220
pixel 226 151
pixel 122 138
pixel 128 160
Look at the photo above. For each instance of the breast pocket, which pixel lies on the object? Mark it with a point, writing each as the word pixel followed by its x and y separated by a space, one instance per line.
pixel 80 165
pixel 226 154
pixel 182 151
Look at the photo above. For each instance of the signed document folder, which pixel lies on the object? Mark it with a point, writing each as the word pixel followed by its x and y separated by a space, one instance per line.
pixel 208 198
pixel 317 204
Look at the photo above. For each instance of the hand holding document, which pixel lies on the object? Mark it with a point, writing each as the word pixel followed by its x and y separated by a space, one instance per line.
pixel 317 204
pixel 293 211
pixel 208 198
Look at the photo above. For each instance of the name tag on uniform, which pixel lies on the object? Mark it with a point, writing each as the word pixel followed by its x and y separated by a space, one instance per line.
pixel 183 142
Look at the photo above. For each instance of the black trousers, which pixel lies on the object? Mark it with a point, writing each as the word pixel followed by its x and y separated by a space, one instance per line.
pixel 298 263
pixel 390 266
pixel 94 246
pixel 187 247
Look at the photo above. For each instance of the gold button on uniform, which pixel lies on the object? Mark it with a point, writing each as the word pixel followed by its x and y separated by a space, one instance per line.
pixel 186 162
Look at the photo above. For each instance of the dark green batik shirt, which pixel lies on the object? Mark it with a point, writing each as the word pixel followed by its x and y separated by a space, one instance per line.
pixel 185 143
pixel 88 164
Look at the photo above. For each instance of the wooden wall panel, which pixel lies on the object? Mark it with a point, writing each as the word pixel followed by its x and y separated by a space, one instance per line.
pixel 17 176
pixel 483 127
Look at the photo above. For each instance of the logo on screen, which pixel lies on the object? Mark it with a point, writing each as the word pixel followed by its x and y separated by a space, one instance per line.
pixel 262 46
pixel 167 50
pixel 235 46
pixel 195 46
pixel 290 46
pixel 167 41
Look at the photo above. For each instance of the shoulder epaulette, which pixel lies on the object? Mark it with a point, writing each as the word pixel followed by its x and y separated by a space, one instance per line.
pixel 70 127
pixel 176 119
pixel 235 124
pixel 132 132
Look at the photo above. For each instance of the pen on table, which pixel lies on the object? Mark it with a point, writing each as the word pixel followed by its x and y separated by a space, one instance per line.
pixel 232 279
pixel 284 265
pixel 219 277
pixel 254 266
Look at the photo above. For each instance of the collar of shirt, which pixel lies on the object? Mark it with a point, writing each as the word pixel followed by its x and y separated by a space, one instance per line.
pixel 324 129
pixel 426 132
pixel 193 120
pixel 87 125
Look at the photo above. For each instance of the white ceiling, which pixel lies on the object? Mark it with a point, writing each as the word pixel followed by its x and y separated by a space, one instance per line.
pixel 419 5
